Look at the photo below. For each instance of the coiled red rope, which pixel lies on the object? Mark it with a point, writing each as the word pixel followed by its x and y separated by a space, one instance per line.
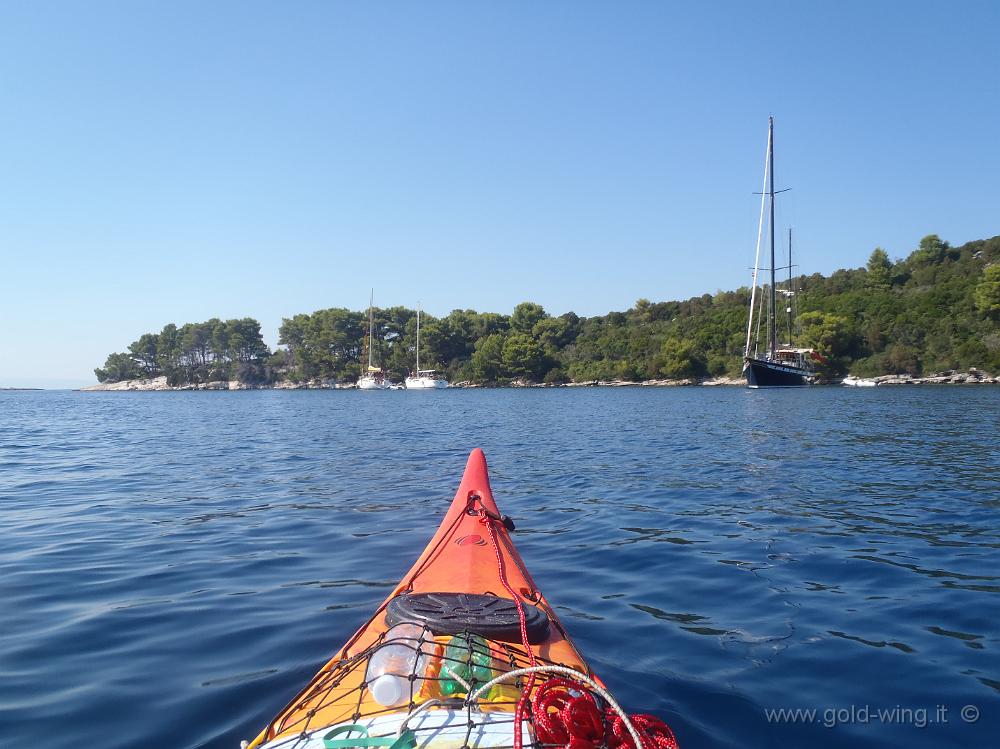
pixel 567 714
pixel 574 721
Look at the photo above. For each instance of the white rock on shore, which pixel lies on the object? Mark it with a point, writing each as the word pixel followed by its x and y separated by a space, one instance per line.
pixel 160 384
pixel 324 384
pixel 951 377
pixel 724 381
pixel 686 382
pixel 155 383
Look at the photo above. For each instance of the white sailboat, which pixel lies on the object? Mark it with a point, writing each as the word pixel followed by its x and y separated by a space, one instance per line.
pixel 778 365
pixel 424 379
pixel 374 377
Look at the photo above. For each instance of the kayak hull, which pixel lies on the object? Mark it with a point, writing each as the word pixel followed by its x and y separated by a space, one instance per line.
pixel 471 553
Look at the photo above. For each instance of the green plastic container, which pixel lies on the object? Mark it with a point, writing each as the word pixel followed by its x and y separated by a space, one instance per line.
pixel 466 659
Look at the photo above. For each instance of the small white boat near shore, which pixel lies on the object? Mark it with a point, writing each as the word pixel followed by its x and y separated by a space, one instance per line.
pixel 424 379
pixel 374 377
pixel 858 382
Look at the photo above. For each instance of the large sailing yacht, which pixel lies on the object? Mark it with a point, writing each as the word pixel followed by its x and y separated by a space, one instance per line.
pixel 374 377
pixel 424 379
pixel 776 366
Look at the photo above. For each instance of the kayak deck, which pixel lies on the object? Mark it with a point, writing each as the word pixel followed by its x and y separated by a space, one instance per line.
pixel 340 696
pixel 466 632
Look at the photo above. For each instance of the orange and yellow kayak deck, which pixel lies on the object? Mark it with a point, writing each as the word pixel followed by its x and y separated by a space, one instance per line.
pixel 465 556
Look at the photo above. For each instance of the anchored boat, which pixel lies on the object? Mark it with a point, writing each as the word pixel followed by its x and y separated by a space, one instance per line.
pixel 424 379
pixel 374 378
pixel 465 652
pixel 777 366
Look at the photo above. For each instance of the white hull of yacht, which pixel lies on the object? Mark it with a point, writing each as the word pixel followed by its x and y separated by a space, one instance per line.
pixel 370 383
pixel 425 383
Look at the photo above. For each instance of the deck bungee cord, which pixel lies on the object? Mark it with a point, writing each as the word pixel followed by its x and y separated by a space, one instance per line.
pixel 466 653
pixel 561 717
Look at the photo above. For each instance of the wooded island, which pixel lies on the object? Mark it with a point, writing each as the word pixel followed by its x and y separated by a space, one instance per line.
pixel 938 309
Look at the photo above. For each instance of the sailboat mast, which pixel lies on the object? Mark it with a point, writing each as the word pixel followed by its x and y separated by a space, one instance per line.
pixel 788 296
pixel 371 327
pixel 417 373
pixel 772 330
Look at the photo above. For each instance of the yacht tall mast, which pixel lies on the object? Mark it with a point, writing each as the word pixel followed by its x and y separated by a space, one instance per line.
pixel 771 327
pixel 790 293
pixel 418 339
pixel 371 327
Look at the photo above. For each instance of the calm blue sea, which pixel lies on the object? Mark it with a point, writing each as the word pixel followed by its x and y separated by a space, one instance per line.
pixel 175 566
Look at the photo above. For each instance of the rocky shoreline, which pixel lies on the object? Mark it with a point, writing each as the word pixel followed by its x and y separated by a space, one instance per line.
pixel 158 384
pixel 951 377
pixel 689 382
pixel 155 384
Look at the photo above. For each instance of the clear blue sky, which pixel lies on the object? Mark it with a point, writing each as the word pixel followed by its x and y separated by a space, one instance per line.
pixel 176 161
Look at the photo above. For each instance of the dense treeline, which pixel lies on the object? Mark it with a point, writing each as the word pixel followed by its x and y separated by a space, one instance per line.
pixel 196 352
pixel 937 309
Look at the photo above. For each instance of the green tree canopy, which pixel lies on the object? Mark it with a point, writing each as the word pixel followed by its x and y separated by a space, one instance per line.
pixel 879 269
pixel 525 316
pixel 829 334
pixel 487 360
pixel 523 356
pixel 987 293
pixel 195 352
pixel 931 250
pixel 681 358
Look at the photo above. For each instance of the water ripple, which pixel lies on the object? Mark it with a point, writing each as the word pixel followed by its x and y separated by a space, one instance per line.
pixel 175 566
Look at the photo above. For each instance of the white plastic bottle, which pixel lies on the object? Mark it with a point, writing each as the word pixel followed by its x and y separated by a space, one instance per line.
pixel 389 668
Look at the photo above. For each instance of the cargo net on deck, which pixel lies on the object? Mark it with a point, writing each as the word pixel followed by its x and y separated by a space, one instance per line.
pixel 415 689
